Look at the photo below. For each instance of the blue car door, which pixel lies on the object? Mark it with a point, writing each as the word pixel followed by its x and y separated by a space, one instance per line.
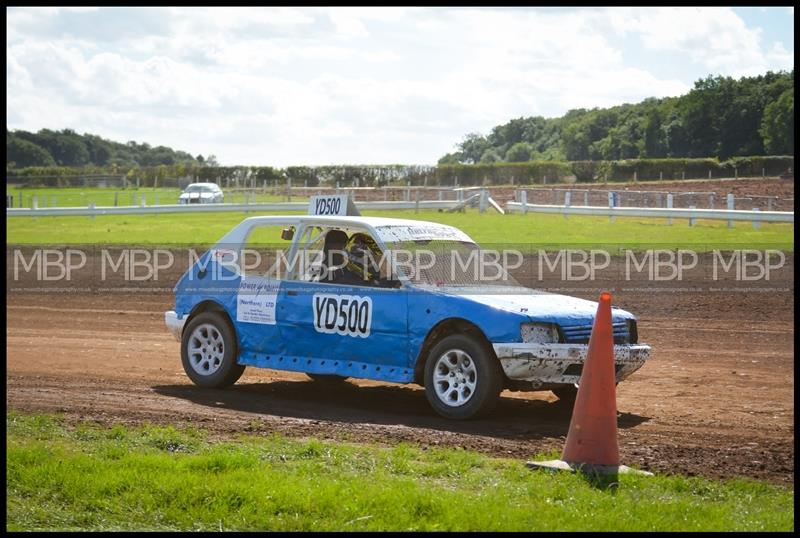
pixel 357 331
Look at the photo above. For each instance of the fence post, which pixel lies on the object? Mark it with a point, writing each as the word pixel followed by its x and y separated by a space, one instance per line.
pixel 116 198
pixel 35 202
pixel 416 202
pixel 611 205
pixel 735 173
pixel 669 206
pixel 683 174
pixel 137 182
pixel 769 202
pixel 483 201
pixel 730 207
pixel 524 200
pixel 157 199
pixel 288 189
pixel 763 173
pixel 385 193
pixel 691 220
pixel 544 180
pixel 143 201
pixel 337 187
pixel 567 201
pixel 661 176
pixel 440 195
pixel 92 207
pixel 711 200
pixel 586 198
pixel 709 173
pixel 756 224
pixel 635 176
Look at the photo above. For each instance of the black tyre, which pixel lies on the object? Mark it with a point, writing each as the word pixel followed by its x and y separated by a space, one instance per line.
pixel 463 379
pixel 566 394
pixel 328 379
pixel 209 351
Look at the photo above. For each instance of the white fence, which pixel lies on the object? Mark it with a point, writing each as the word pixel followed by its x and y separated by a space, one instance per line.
pixel 655 212
pixel 93 211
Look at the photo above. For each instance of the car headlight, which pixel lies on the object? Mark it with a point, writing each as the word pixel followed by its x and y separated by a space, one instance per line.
pixel 539 333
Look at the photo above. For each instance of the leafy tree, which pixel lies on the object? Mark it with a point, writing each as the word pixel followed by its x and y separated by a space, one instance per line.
pixel 519 152
pixel 720 117
pixel 777 128
pixel 472 147
pixel 68 148
pixel 21 153
pixel 490 156
pixel 451 158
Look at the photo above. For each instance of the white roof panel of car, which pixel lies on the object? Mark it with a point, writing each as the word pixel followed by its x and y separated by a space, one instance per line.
pixel 387 229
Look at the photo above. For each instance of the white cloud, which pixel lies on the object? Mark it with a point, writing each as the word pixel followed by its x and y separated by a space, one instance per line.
pixel 330 85
pixel 716 38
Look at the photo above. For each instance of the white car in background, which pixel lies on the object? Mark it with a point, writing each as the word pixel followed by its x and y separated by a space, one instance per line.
pixel 201 193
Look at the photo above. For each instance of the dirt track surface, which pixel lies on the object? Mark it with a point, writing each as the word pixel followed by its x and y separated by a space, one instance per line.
pixel 716 399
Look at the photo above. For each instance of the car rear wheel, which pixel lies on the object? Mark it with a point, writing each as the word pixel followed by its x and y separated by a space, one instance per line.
pixel 462 378
pixel 208 351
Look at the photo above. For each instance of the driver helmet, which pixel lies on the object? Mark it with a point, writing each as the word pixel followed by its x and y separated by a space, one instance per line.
pixel 363 255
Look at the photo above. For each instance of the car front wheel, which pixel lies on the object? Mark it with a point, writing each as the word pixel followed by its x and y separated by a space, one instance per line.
pixel 208 351
pixel 462 378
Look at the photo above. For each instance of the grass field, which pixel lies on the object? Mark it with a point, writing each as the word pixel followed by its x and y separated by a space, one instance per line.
pixel 82 197
pixel 61 477
pixel 487 229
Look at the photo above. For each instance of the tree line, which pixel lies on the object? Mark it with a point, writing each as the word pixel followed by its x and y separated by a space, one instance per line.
pixel 68 148
pixel 720 117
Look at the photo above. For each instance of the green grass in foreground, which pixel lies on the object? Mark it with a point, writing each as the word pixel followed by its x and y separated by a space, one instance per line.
pixel 487 229
pixel 119 478
pixel 83 196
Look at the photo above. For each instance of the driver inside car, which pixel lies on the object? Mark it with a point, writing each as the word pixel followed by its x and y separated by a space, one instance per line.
pixel 363 256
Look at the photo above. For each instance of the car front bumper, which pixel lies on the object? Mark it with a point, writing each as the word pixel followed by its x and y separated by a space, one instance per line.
pixel 545 364
pixel 174 324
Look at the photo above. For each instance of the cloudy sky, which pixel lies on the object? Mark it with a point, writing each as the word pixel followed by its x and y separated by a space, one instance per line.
pixel 279 86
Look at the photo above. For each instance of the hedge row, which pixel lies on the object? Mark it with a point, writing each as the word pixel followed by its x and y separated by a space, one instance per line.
pixel 533 172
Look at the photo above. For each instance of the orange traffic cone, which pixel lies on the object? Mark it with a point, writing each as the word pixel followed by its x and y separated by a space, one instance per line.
pixel 592 438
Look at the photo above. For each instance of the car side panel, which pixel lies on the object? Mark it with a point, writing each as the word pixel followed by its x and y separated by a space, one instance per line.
pixel 426 309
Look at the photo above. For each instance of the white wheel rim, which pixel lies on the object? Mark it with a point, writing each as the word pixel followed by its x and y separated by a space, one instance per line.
pixel 206 349
pixel 454 378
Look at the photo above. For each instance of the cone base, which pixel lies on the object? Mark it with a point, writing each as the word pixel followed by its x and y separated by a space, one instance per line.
pixel 586 468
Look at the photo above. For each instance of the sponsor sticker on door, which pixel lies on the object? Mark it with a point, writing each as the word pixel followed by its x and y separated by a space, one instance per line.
pixel 256 300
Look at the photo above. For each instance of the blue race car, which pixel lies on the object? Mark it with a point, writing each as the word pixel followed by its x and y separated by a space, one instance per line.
pixel 385 299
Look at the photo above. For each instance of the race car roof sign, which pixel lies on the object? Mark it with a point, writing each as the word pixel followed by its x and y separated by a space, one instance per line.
pixel 333 204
